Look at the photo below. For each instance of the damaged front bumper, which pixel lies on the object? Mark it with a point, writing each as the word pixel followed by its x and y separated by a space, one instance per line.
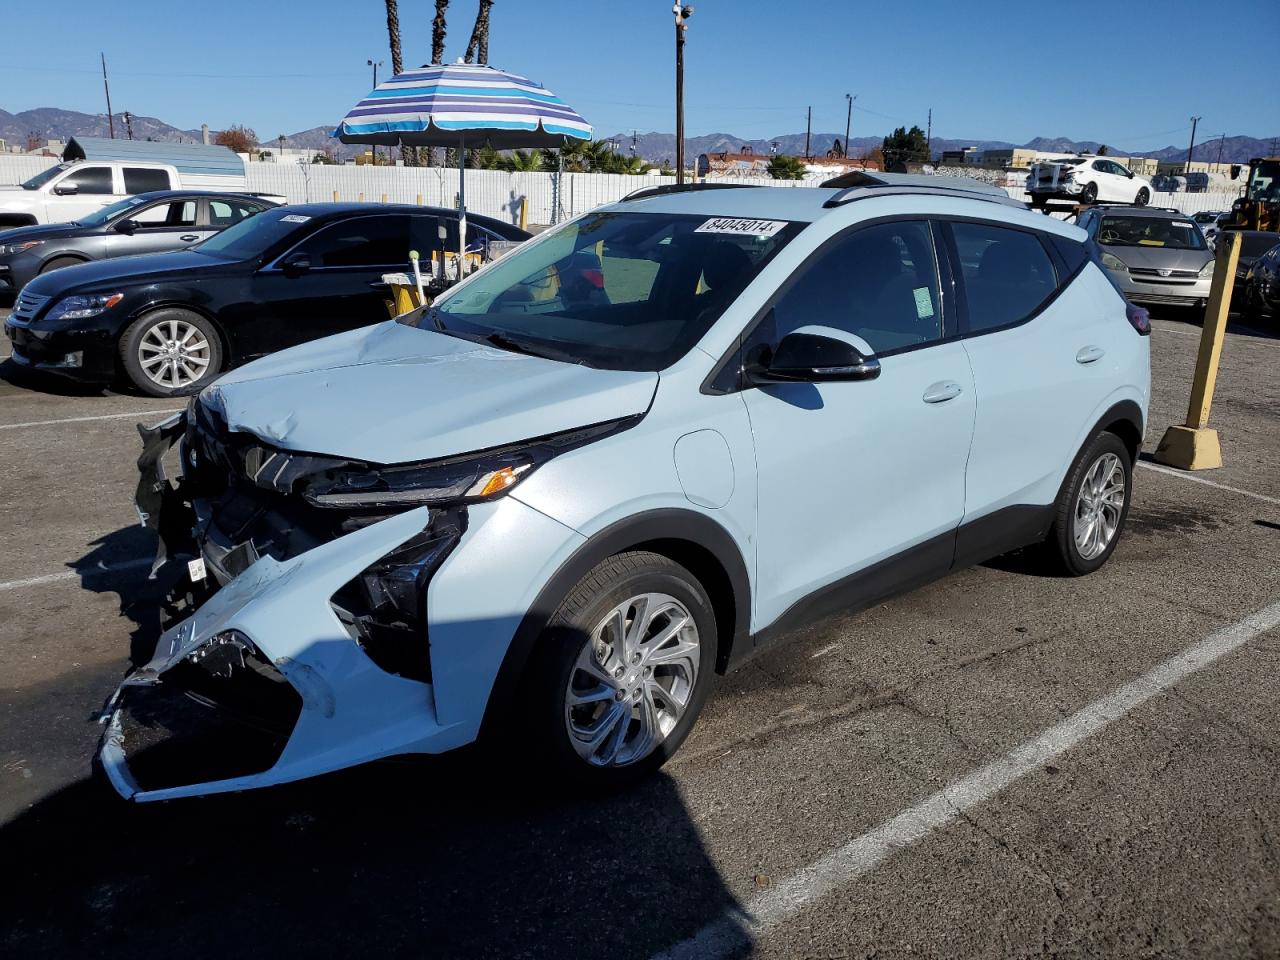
pixel 280 671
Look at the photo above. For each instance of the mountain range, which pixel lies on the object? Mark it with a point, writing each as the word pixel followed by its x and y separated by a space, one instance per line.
pixel 52 122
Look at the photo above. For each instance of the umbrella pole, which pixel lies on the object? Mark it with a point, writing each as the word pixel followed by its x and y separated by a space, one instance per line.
pixel 462 206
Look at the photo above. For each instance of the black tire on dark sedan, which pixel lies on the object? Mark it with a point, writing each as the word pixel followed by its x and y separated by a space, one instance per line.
pixel 171 352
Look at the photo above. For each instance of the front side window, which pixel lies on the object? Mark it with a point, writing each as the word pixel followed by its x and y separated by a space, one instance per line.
pixel 1008 275
pixel 360 242
pixel 619 290
pixel 176 213
pixel 111 211
pixel 145 179
pixel 879 283
pixel 1142 231
pixel 95 180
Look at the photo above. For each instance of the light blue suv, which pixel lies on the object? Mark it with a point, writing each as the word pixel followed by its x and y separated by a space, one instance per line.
pixel 622 459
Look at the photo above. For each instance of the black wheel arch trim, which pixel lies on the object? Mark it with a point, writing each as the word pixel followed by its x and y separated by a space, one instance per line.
pixel 699 532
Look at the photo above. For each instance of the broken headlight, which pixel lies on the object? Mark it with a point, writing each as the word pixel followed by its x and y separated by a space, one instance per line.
pixel 469 478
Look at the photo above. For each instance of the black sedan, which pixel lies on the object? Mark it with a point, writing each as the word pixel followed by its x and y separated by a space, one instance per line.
pixel 153 222
pixel 1261 284
pixel 171 322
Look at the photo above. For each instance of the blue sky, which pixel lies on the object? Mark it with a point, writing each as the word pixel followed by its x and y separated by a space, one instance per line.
pixel 752 66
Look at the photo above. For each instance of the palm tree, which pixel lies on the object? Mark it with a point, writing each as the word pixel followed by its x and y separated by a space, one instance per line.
pixel 437 53
pixel 478 45
pixel 522 161
pixel 409 154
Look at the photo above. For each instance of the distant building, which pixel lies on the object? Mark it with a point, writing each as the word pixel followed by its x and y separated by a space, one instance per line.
pixel 952 158
pixel 835 166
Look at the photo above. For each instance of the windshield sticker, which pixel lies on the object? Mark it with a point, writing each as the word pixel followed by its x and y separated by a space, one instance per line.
pixel 924 303
pixel 1182 223
pixel 745 228
pixel 294 218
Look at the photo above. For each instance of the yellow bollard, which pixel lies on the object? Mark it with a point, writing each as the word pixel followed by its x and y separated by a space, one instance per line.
pixel 335 196
pixel 1195 446
pixel 384 198
pixel 418 200
pixel 524 213
pixel 360 197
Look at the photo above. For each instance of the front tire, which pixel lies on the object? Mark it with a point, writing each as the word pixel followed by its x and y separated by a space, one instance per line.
pixel 1092 507
pixel 1143 198
pixel 622 671
pixel 171 353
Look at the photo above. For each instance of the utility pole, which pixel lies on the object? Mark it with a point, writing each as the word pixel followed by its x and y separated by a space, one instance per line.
pixel 848 121
pixel 1221 139
pixel 111 123
pixel 808 127
pixel 1194 121
pixel 373 149
pixel 128 124
pixel 682 13
pixel 633 142
pixel 928 139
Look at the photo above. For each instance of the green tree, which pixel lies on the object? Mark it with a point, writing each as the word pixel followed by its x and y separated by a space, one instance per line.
pixel 783 167
pixel 522 161
pixel 903 145
pixel 486 158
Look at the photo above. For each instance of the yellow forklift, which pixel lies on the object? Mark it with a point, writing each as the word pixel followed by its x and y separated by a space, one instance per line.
pixel 1259 206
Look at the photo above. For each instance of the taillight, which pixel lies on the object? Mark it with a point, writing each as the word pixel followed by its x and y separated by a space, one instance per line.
pixel 1138 318
pixel 594 277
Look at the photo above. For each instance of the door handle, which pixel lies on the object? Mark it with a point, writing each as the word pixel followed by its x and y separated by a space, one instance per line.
pixel 188 237
pixel 942 391
pixel 1089 354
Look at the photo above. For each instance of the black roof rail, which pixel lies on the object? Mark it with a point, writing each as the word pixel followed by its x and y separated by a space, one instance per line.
pixel 861 185
pixel 666 188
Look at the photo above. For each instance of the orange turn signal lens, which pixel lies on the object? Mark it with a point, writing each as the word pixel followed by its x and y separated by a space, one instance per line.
pixel 499 480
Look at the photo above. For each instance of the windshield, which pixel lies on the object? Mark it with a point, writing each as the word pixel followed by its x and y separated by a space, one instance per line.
pixel 1254 244
pixel 1264 184
pixel 44 176
pixel 623 291
pixel 1150 232
pixel 1205 217
pixel 101 216
pixel 254 236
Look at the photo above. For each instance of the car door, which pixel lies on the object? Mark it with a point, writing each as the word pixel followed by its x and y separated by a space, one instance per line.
pixel 1038 347
pixel 94 187
pixel 329 282
pixel 869 474
pixel 156 228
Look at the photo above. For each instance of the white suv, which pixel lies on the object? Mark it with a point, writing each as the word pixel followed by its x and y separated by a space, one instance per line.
pixel 626 457
pixel 1087 180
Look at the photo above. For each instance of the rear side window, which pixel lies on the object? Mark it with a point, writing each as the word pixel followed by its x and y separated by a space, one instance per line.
pixel 880 283
pixel 145 179
pixel 223 213
pixel 90 180
pixel 1008 275
pixel 1073 254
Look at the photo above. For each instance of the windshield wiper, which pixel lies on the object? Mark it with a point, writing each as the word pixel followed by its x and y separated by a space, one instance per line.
pixel 504 342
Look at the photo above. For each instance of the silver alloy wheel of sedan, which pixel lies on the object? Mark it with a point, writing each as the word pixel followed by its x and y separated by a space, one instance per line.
pixel 174 353
pixel 632 680
pixel 1099 506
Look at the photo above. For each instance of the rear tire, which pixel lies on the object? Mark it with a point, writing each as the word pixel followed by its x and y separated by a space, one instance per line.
pixel 171 353
pixel 607 700
pixel 1089 194
pixel 1092 507
pixel 1143 198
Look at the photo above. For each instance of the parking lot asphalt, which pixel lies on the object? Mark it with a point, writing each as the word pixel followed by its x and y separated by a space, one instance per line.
pixel 1001 764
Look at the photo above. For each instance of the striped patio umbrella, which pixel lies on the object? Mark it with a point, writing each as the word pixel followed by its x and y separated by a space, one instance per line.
pixel 462 105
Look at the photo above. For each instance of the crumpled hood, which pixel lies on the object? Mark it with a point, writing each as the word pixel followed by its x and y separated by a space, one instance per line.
pixel 390 393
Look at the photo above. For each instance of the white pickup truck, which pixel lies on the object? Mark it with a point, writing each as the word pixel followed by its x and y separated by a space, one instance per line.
pixel 96 172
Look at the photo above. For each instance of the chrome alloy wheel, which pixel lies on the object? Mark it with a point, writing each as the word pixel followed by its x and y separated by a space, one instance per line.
pixel 632 680
pixel 174 353
pixel 1099 506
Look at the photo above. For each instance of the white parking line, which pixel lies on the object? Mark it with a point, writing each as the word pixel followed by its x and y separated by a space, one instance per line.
pixel 724 937
pixel 73 574
pixel 137 415
pixel 1183 475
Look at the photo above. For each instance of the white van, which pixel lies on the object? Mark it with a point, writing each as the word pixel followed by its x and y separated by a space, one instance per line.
pixel 96 172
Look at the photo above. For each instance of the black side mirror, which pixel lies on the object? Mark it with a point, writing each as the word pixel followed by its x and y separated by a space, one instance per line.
pixel 66 189
pixel 811 358
pixel 127 227
pixel 296 265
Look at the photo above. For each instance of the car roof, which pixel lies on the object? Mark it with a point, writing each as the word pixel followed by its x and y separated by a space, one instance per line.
pixel 350 208
pixel 174 194
pixel 1153 213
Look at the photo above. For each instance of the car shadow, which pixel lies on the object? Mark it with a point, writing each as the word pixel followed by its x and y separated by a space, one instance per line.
pixel 25 378
pixel 477 853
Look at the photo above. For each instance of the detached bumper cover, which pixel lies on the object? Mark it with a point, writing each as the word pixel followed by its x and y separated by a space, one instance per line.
pixel 279 624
